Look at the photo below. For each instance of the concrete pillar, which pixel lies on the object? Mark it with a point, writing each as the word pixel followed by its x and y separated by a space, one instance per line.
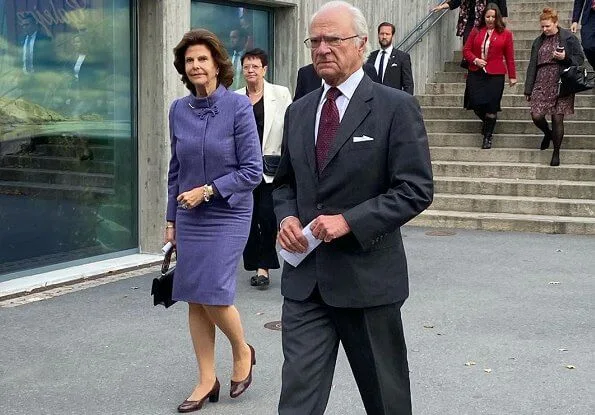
pixel 161 26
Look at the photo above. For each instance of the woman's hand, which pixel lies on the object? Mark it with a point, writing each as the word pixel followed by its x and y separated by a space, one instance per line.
pixel 560 56
pixel 192 198
pixel 480 62
pixel 512 82
pixel 441 6
pixel 170 234
pixel 528 97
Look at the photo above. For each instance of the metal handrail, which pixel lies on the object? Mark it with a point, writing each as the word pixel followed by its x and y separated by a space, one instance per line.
pixel 418 27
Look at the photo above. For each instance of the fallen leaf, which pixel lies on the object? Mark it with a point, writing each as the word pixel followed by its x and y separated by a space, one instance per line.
pixel 470 363
pixel 259 313
pixel 488 370
pixel 570 367
pixel 428 326
pixel 134 288
pixel 558 250
pixel 554 283
pixel 563 350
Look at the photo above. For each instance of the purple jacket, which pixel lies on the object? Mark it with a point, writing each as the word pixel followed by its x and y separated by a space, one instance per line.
pixel 213 141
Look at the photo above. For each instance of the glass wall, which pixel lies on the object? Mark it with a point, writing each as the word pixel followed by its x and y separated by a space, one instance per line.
pixel 67 147
pixel 241 28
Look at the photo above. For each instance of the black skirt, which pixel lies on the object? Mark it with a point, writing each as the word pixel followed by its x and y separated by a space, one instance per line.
pixel 483 92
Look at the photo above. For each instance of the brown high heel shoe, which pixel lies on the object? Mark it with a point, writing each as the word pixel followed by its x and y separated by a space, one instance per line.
pixel 191 406
pixel 237 388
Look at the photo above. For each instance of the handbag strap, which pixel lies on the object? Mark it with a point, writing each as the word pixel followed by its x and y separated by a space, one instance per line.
pixel 167 260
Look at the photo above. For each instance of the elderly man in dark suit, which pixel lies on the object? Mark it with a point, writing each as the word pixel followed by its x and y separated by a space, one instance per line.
pixel 586 9
pixel 308 80
pixel 392 65
pixel 355 167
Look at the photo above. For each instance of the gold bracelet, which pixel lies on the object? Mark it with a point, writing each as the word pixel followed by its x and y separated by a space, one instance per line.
pixel 169 226
pixel 207 192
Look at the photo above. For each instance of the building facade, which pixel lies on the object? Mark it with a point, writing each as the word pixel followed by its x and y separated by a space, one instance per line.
pixel 84 96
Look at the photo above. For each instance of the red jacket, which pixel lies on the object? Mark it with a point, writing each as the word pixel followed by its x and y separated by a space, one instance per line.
pixel 501 47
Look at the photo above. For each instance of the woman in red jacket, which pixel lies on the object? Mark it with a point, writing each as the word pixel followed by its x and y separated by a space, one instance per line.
pixel 488 46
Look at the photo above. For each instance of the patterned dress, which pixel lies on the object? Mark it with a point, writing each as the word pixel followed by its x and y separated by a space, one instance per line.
pixel 544 97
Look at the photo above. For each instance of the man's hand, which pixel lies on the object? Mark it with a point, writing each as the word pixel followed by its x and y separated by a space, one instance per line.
pixel 574 27
pixel 290 236
pixel 331 227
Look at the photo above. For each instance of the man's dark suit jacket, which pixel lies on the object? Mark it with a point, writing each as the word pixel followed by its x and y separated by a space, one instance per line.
pixel 378 175
pixel 308 80
pixel 583 7
pixel 43 56
pixel 398 73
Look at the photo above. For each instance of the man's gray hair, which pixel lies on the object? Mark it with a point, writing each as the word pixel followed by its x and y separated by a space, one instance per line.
pixel 360 25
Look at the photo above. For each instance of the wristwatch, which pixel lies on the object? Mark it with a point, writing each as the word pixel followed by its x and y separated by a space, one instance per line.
pixel 207 192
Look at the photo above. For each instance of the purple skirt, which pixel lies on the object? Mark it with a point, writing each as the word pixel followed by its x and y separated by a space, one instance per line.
pixel 210 240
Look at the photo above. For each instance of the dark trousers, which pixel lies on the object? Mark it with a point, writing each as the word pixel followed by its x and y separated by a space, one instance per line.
pixel 260 249
pixel 588 39
pixel 375 347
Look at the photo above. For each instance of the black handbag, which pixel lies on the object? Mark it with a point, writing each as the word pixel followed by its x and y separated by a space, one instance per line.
pixel 270 164
pixel 575 79
pixel 163 285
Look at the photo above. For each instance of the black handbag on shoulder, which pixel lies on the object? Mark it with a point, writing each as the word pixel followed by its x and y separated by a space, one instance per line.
pixel 163 285
pixel 270 164
pixel 575 79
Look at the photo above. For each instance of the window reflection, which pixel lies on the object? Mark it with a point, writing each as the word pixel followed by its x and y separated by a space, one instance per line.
pixel 241 28
pixel 67 155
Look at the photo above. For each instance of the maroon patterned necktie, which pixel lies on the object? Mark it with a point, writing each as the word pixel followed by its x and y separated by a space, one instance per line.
pixel 593 4
pixel 327 127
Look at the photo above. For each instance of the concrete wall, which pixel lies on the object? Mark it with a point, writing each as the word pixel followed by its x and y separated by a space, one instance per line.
pixel 163 22
pixel 161 26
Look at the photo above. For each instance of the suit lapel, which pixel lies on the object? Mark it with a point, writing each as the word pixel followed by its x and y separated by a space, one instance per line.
pixel 357 110
pixel 269 104
pixel 308 126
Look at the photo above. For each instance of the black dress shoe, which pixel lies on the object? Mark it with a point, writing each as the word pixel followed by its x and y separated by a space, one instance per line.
pixel 237 388
pixel 191 406
pixel 263 282
pixel 254 280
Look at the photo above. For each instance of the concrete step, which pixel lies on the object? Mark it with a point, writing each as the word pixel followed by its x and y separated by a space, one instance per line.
pixel 458 88
pixel 39 161
pixel 45 176
pixel 580 101
pixel 514 204
pixel 571 127
pixel 536 6
pixel 519 54
pixel 530 14
pixel 563 189
pixel 54 191
pixel 517 170
pixel 508 155
pixel 521 67
pixel 505 222
pixel 510 141
pixel 507 113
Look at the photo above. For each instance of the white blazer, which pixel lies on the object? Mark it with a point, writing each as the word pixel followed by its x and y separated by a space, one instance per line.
pixel 276 100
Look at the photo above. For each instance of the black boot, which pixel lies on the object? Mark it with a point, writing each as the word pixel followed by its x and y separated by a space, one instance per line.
pixel 489 125
pixel 545 143
pixel 555 158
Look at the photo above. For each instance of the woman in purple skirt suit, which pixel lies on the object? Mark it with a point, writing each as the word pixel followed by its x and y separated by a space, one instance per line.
pixel 215 164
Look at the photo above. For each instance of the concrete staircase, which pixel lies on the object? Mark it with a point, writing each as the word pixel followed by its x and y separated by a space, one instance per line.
pixel 510 187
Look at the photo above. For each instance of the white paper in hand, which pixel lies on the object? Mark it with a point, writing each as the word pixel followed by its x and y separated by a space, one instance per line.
pixel 295 258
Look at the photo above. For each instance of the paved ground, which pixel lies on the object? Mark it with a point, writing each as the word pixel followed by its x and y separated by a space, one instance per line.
pixel 520 306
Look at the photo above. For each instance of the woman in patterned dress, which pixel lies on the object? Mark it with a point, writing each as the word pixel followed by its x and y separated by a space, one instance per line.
pixel 553 51
pixel 215 165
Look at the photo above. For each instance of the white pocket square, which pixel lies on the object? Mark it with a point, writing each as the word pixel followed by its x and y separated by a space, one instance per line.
pixel 394 64
pixel 362 138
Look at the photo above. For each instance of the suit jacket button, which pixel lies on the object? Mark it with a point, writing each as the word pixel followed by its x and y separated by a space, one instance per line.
pixel 319 206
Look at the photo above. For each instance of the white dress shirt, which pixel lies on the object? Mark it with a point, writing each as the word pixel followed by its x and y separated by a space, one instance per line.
pixel 347 89
pixel 28 52
pixel 388 51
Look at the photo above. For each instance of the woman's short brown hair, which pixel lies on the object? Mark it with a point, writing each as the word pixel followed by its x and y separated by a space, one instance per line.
pixel 549 13
pixel 217 49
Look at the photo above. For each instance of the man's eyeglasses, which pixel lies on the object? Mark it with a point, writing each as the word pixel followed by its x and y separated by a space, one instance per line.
pixel 315 42
pixel 248 68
